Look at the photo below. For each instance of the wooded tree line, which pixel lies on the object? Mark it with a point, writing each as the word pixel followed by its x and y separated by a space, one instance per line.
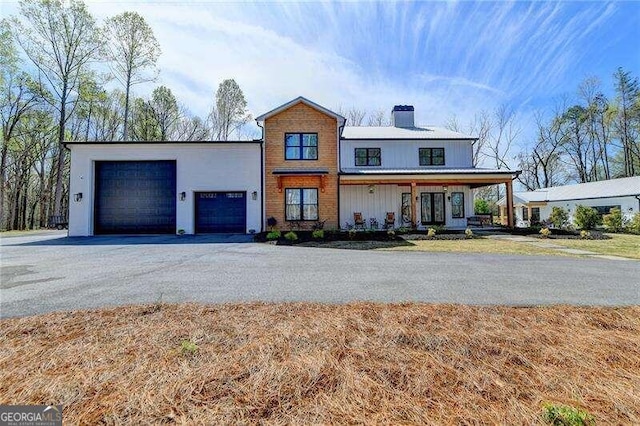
pixel 65 77
pixel 595 137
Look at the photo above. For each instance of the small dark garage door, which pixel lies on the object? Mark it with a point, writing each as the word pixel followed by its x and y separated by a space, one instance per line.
pixel 135 197
pixel 220 212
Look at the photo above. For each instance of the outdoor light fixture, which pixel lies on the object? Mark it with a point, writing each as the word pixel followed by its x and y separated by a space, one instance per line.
pixel 183 195
pixel 254 195
pixel 77 197
pixel 445 188
pixel 372 189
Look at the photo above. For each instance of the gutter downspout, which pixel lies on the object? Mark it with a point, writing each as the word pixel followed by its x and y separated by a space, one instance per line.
pixel 262 218
pixel 340 128
pixel 638 198
pixel 68 186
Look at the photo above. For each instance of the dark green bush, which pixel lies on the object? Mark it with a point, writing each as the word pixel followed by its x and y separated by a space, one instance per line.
pixel 273 235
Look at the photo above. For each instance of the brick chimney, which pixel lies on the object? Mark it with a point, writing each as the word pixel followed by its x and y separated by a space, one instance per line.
pixel 402 116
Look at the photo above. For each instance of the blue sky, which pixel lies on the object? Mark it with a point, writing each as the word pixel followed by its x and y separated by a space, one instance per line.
pixel 445 58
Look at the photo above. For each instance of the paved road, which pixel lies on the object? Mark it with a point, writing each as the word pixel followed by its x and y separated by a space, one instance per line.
pixel 50 272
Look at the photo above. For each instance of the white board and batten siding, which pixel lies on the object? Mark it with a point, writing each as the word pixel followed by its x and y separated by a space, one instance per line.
pixel 403 154
pixel 200 167
pixel 388 198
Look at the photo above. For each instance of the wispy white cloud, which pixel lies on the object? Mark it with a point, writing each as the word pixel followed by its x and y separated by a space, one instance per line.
pixel 444 57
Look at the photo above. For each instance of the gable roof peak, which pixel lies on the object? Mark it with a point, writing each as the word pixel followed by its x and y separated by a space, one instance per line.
pixel 295 101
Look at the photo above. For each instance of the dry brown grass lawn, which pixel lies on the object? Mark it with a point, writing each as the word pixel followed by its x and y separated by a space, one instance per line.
pixel 313 363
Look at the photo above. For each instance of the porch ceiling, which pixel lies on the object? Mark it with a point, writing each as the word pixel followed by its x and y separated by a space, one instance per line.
pixel 474 177
pixel 472 181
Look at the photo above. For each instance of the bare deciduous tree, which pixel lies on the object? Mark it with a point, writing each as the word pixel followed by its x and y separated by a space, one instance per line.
pixel 379 118
pixel 229 113
pixel 61 39
pixel 133 52
pixel 480 127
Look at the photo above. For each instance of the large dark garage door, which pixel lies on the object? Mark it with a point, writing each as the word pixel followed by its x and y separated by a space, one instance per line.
pixel 221 212
pixel 135 197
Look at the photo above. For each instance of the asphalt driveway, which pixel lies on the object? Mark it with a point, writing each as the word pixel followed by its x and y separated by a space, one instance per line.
pixel 47 272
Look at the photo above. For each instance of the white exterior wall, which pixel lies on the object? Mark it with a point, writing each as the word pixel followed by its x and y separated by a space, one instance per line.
pixel 628 206
pixel 404 154
pixel 387 198
pixel 199 168
pixel 519 218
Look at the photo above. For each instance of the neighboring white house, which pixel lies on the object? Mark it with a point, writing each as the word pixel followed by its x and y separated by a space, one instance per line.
pixel 535 206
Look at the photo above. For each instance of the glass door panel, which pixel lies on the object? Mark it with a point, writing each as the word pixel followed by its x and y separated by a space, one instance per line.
pixel 438 207
pixel 432 208
pixel 425 207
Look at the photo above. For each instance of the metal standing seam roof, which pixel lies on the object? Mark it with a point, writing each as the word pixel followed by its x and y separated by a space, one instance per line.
pixel 423 171
pixel 402 133
pixel 622 187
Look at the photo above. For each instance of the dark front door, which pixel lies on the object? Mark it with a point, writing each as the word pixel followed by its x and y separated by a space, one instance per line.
pixel 221 212
pixel 432 208
pixel 135 197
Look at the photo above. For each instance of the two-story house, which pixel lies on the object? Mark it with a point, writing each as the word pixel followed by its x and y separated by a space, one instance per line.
pixel 308 168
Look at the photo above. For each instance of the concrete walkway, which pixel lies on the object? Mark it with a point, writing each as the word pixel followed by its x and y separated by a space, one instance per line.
pixel 546 244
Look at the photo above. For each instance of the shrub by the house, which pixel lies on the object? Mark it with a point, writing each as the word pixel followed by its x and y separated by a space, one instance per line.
pixel 614 221
pixel 634 224
pixel 273 235
pixel 291 236
pixel 586 217
pixel 559 217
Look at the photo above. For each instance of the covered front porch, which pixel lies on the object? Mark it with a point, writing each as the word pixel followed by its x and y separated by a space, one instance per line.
pixel 417 201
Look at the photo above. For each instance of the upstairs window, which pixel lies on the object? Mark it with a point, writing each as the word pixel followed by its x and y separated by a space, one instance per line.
pixel 368 157
pixel 301 146
pixel 431 156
